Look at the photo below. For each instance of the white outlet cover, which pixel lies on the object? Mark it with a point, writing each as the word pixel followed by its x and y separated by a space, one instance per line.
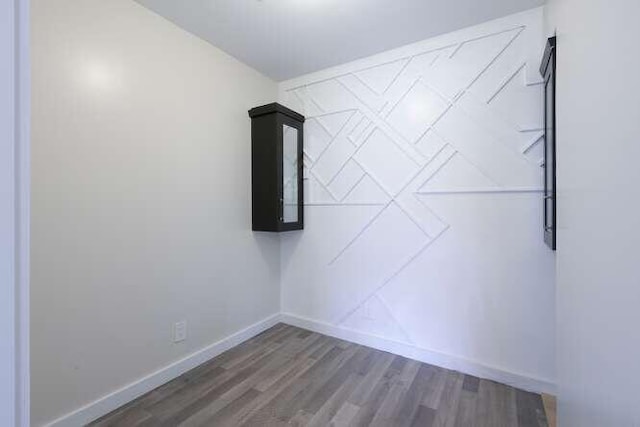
pixel 180 331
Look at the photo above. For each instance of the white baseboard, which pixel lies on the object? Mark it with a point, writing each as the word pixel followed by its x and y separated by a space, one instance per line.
pixel 455 363
pixel 114 400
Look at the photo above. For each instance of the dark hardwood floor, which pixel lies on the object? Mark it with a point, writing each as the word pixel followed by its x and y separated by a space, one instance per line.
pixel 290 376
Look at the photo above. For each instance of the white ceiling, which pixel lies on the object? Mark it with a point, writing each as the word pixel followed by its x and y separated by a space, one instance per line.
pixel 288 38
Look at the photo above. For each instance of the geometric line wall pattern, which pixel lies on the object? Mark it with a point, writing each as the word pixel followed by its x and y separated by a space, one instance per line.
pixel 395 138
pixel 416 111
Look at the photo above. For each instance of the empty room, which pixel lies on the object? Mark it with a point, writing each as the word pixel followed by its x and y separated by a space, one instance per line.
pixel 320 213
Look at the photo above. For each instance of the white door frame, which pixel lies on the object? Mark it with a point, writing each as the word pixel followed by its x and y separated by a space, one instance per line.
pixel 14 212
pixel 7 216
pixel 23 386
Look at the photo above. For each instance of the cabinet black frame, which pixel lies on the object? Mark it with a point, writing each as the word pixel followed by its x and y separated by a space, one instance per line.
pixel 267 134
pixel 548 71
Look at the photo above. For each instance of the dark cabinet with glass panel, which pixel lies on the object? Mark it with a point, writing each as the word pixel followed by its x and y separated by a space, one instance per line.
pixel 548 71
pixel 276 168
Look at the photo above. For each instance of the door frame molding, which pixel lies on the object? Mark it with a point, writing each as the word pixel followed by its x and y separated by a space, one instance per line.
pixel 23 166
pixel 15 207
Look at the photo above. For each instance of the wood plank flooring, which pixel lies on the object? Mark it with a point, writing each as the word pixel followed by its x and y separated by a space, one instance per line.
pixel 290 376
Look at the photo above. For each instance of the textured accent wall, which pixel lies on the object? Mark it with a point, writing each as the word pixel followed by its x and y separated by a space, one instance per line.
pixel 423 188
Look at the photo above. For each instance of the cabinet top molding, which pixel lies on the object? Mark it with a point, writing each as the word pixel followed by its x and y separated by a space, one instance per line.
pixel 275 108
pixel 551 46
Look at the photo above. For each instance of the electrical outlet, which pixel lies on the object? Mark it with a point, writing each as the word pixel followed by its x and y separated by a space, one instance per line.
pixel 180 331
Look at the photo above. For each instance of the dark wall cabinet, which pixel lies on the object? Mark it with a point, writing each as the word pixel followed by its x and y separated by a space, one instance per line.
pixel 548 71
pixel 276 168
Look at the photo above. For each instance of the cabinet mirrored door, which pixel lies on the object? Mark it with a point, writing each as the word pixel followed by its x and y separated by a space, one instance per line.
pixel 290 169
pixel 277 141
pixel 549 166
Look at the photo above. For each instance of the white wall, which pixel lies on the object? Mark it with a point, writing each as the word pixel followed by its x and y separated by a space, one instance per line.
pixel 8 275
pixel 423 215
pixel 141 199
pixel 598 211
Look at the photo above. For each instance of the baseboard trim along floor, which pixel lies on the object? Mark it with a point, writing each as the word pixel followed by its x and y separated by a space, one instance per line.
pixel 466 366
pixel 293 376
pixel 116 399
